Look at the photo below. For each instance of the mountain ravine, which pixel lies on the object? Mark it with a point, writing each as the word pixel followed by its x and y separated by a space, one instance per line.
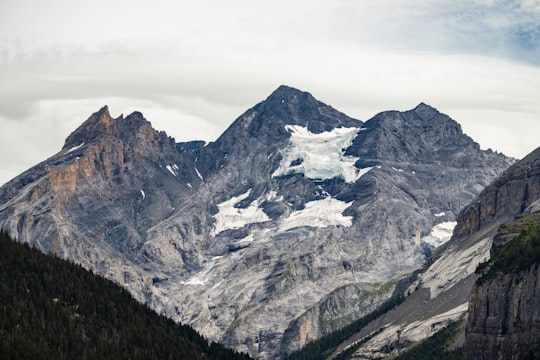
pixel 294 222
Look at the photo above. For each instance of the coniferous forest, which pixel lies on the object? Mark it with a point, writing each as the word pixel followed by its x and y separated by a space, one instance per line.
pixel 53 309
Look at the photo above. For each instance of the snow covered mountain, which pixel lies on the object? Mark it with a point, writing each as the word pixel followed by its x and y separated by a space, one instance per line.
pixel 296 221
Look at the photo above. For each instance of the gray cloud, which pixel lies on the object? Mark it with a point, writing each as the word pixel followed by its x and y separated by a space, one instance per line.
pixel 192 69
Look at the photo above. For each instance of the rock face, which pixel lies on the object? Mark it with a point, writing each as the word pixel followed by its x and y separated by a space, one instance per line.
pixel 509 195
pixel 504 311
pixel 505 317
pixel 501 311
pixel 263 238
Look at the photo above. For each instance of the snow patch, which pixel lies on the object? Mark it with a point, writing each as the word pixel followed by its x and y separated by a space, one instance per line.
pixel 194 281
pixel 171 170
pixel 247 239
pixel 198 173
pixel 273 196
pixel 255 235
pixel 319 213
pixel 320 156
pixel 219 283
pixel 231 217
pixel 441 214
pixel 363 171
pixel 75 147
pixel 440 233
pixel 143 194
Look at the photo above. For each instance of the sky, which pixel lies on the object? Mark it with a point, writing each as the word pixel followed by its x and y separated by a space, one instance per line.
pixel 193 67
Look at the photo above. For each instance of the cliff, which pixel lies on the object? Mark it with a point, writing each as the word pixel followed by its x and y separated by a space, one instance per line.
pixel 504 310
pixel 504 307
pixel 509 195
pixel 487 273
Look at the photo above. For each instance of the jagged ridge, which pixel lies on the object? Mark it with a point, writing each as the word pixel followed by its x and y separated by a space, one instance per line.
pixel 253 253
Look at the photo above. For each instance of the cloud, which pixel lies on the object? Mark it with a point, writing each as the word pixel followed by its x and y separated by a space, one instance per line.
pixel 192 68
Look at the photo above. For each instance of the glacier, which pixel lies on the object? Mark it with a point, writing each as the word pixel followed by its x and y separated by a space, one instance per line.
pixel 231 217
pixel 319 156
pixel 319 213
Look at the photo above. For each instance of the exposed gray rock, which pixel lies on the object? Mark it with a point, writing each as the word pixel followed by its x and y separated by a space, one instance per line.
pixel 508 196
pixel 504 311
pixel 294 211
pixel 505 317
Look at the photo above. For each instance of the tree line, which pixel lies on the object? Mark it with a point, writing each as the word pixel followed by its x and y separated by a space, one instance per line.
pixel 53 309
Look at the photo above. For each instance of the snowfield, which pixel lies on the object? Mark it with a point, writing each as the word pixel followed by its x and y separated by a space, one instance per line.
pixel 319 213
pixel 320 156
pixel 231 217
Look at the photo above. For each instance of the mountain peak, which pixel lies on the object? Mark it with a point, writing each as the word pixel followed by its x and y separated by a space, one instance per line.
pixel 99 123
pixel 292 183
pixel 533 157
pixel 425 111
pixel 423 105
pixel 102 123
pixel 285 106
pixel 286 90
pixel 286 95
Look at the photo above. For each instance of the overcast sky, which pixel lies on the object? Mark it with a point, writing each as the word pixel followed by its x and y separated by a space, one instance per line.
pixel 192 67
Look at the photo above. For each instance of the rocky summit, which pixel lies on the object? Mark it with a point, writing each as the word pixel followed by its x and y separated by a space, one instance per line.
pixel 293 223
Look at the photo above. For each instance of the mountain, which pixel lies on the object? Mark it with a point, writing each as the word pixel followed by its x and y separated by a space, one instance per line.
pixel 504 315
pixel 295 222
pixel 481 286
pixel 504 311
pixel 52 309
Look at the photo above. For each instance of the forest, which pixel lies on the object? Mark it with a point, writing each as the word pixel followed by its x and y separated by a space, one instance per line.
pixel 53 309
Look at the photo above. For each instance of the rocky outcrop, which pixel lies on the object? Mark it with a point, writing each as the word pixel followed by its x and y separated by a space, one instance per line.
pixel 504 317
pixel 504 310
pixel 84 203
pixel 268 230
pixel 339 308
pixel 509 195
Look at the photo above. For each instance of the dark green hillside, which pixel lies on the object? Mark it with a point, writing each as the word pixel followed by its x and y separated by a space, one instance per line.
pixel 520 252
pixel 52 309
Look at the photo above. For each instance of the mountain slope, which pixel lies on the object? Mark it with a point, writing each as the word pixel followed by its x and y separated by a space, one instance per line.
pixel 264 238
pixel 503 314
pixel 52 309
pixel 500 306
